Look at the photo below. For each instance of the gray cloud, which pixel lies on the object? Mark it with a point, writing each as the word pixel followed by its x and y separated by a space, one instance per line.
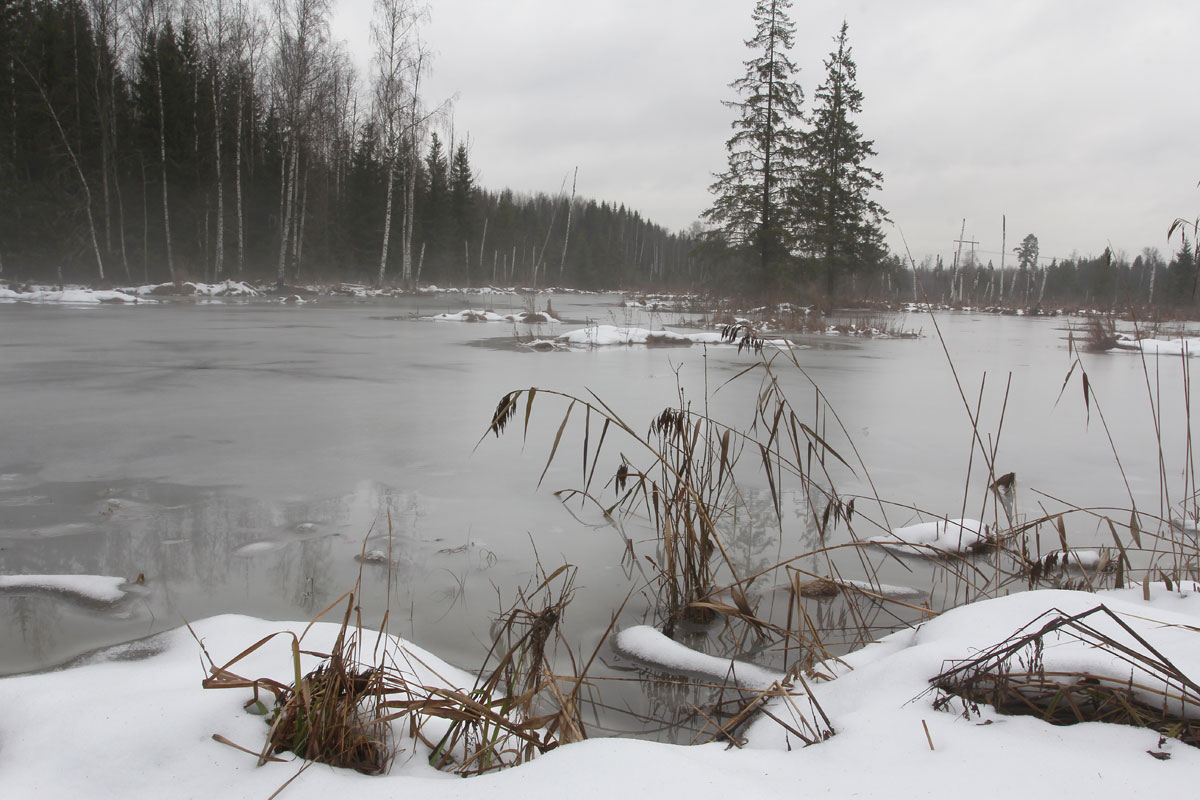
pixel 1077 120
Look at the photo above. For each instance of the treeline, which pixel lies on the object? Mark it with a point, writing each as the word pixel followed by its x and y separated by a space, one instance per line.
pixel 1106 282
pixel 150 141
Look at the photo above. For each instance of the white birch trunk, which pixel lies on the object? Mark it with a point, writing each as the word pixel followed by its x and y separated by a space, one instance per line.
pixel 162 153
pixel 237 172
pixel 387 222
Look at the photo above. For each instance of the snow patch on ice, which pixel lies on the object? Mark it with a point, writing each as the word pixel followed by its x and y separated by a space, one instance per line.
pixel 924 538
pixel 606 335
pixel 478 315
pixel 94 588
pixel 257 549
pixel 1184 345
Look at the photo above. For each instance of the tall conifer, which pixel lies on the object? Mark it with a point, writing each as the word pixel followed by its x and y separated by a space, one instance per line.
pixel 837 222
pixel 764 151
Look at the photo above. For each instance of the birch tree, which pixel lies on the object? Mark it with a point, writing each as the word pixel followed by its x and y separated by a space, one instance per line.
pixel 399 61
pixel 301 32
pixel 215 21
pixel 151 24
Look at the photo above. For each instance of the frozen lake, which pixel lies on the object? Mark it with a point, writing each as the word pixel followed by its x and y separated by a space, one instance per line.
pixel 238 454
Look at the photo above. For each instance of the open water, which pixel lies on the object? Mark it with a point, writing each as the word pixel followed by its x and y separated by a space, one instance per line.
pixel 239 455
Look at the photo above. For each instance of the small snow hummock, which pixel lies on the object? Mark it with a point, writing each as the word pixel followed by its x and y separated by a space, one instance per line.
pixel 1080 559
pixel 373 557
pixel 945 536
pixel 93 588
pixel 253 549
pixel 1187 524
pixel 543 344
pixel 599 335
pixel 1184 345
pixel 477 315
pixel 882 589
pixel 645 644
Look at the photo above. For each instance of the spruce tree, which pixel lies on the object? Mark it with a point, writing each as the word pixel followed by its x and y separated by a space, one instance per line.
pixel 462 202
pixel 765 150
pixel 837 222
pixel 436 205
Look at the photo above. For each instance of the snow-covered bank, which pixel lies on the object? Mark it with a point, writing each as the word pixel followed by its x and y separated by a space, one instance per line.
pixel 228 288
pixel 138 724
pixel 69 295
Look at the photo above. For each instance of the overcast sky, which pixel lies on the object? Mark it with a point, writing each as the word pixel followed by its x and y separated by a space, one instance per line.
pixel 1080 121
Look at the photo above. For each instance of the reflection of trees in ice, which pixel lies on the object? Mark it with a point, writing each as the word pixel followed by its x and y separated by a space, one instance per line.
pixel 205 551
pixel 36 619
pixel 752 530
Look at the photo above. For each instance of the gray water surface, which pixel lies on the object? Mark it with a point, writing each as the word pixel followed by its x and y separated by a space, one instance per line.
pixel 240 455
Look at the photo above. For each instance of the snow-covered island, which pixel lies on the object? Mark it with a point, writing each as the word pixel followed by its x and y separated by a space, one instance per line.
pixel 1179 346
pixel 608 335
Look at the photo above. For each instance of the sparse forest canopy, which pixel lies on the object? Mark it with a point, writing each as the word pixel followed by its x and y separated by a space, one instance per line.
pixel 206 139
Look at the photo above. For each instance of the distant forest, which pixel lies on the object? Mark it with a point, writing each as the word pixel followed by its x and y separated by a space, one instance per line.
pixel 1105 282
pixel 143 141
pixel 149 141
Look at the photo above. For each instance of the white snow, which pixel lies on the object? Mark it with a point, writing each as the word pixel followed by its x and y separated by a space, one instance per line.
pixel 227 288
pixel 647 645
pixel 601 335
pixel 931 538
pixel 257 548
pixel 74 296
pixel 96 588
pixel 883 589
pixel 1187 523
pixel 1080 559
pixel 479 315
pixel 143 728
pixel 1162 347
pixel 543 344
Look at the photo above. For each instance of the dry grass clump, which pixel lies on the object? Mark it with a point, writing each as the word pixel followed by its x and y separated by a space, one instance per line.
pixel 1100 334
pixel 519 708
pixel 334 714
pixel 1012 678
pixel 342 712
